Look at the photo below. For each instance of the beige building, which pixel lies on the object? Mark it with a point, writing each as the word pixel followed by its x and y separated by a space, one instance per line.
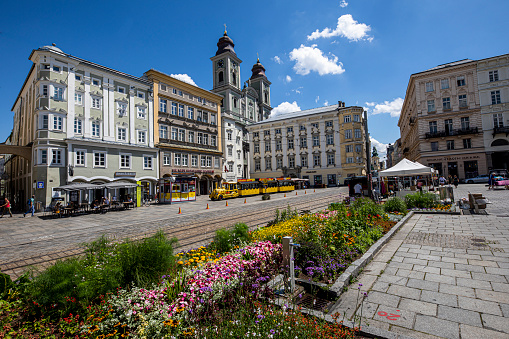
pixel 324 145
pixel 440 121
pixel 188 121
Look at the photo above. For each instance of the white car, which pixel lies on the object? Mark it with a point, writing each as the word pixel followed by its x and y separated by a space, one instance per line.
pixel 478 179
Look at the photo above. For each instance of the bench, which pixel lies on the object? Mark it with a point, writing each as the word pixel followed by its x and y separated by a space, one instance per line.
pixel 477 201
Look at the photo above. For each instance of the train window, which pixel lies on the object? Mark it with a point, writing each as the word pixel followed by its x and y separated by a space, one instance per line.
pixel 176 188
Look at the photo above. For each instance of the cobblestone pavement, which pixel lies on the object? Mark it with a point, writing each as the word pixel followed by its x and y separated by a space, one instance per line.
pixel 27 241
pixel 440 276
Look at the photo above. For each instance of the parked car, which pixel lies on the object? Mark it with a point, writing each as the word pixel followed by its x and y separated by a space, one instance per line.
pixel 478 179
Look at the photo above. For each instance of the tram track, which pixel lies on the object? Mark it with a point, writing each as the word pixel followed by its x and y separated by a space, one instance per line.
pixel 187 233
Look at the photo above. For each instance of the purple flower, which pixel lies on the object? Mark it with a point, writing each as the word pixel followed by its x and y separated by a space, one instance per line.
pixel 260 316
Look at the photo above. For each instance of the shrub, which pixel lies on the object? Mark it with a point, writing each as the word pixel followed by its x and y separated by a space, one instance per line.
pixel 365 207
pixel 421 200
pixel 395 205
pixel 284 215
pixel 226 239
pixel 266 197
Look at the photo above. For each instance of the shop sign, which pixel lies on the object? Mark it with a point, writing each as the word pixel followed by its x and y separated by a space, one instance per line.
pixel 310 171
pixel 184 170
pixel 125 174
pixel 467 157
pixel 40 184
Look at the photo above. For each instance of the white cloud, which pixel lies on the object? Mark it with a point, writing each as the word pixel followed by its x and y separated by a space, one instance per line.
pixel 297 90
pixel 288 78
pixel 285 107
pixel 393 107
pixel 380 147
pixel 312 59
pixel 347 27
pixel 317 98
pixel 343 4
pixel 184 78
pixel 277 59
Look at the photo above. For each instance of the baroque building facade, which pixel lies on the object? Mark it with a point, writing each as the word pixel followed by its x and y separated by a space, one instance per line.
pixel 325 145
pixel 242 104
pixel 84 123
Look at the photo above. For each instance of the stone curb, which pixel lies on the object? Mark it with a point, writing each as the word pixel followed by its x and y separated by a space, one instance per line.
pixel 354 269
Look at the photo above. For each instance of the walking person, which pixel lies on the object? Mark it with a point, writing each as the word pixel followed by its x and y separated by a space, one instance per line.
pixel 31 206
pixel 491 181
pixel 456 181
pixel 6 206
pixel 442 180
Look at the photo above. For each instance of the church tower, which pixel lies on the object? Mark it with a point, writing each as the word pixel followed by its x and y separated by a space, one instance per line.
pixel 261 84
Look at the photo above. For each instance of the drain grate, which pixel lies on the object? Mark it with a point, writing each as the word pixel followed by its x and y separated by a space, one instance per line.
pixel 447 240
pixel 314 303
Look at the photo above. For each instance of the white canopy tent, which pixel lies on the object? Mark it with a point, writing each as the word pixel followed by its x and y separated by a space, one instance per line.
pixel 406 168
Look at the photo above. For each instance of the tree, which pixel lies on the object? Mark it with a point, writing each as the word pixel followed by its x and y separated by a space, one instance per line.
pixel 375 152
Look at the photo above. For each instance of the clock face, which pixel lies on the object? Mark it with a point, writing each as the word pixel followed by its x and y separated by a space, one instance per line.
pixel 220 64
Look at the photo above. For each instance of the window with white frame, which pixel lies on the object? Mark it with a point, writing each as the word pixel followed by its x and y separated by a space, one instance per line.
pixel 213 119
pixel 493 75
pixel 176 159
pixel 96 82
pixel 291 162
pixel 346 118
pixel 96 102
pixel 356 118
pixel 316 159
pixel 184 159
pixel 203 161
pixel 174 91
pixel 43 157
pixel 191 137
pixel 358 148
pixel 45 90
pixel 446 103
pixel 429 86
pixel 328 123
pixel 465 123
pixel 279 163
pixel 359 159
pixel 57 123
pixel 432 127
pixel 230 151
pixel 450 144
pixel 229 135
pixel 80 158
pixel 268 164
pixel 182 135
pixel 96 129
pixel 142 113
pixel 199 115
pixel 166 159
pixel 147 162
pixel 174 108
pixel 181 110
pixel 444 83
pixel 239 169
pixel 163 132
pixel 348 148
pixel 467 143
pixel 78 128
pixel 267 146
pixel 181 93
pixel 238 154
pixel 122 109
pixel 330 158
pixel 58 93
pixel 357 133
pixel 349 160
pixel 99 159
pixel 142 137
pixel 348 134
pixel 190 112
pixel 330 139
pixel 289 129
pixel 460 81
pixel 257 148
pixel 121 134
pixel 213 141
pixel 163 105
pixel 230 167
pixel 277 131
pixel 174 133
pixel 316 140
pixel 498 120
pixel 462 99
pixel 56 157
pixel 495 97
pixel 303 142
pixel 56 69
pixel 258 166
pixel 209 161
pixel 200 138
pixel 266 132
pixel 77 77
pixel 205 139
pixel 315 125
pixel 140 94
pixel 125 160
pixel 121 89
pixel 304 161
pixel 431 105
pixel 78 98
pixel 290 144
pixel 162 87
pixel 278 145
pixel 194 160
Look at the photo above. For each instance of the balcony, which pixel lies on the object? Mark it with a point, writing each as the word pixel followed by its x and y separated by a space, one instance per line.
pixel 501 129
pixel 452 132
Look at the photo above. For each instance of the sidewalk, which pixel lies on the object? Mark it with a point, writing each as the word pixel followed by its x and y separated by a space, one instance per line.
pixel 440 276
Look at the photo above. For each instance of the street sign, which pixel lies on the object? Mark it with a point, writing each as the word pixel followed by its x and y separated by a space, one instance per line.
pixel 40 184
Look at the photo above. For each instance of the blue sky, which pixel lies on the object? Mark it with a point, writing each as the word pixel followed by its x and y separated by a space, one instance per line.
pixel 361 52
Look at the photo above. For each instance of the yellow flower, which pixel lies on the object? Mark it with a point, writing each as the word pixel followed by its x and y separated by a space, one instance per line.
pixel 180 262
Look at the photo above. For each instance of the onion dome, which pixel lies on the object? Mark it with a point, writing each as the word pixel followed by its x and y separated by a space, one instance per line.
pixel 225 44
pixel 258 70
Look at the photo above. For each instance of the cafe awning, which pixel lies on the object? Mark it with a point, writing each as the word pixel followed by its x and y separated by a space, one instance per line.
pixel 116 185
pixel 79 186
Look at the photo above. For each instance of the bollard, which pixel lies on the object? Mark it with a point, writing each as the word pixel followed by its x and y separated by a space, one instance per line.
pixel 305 192
pixel 285 195
pixel 296 193
pixel 314 191
pixel 227 204
pixel 245 201
pixel 180 212
pixel 207 207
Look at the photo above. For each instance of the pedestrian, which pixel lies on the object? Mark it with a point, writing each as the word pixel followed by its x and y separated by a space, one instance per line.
pixel 442 180
pixel 491 181
pixel 6 207
pixel 449 179
pixel 358 189
pixel 31 206
pixel 456 181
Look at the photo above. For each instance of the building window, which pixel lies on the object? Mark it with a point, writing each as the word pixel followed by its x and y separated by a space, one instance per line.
pixel 191 137
pixel 330 159
pixel 256 135
pixel 432 127
pixel 174 108
pixel 495 97
pixel 314 125
pixel 229 135
pixel 44 157
pixel 56 157
pixel 234 102
pixel 277 131
pixel 462 99
pixel 279 163
pixel 205 139
pixel 96 103
pixel 96 82
pixel 121 89
pixel 465 123
pixel 99 159
pixel 257 148
pixel 357 133
pixel 142 113
pixel 212 119
pixel 446 103
pixel 356 118
pixel 348 148
pixel 121 134
pixel 230 151
pixel 267 146
pixel 450 144
pixel 181 110
pixel 162 87
pixel 498 120
pixel 434 146
pixel 290 143
pixel 444 83
pixel 147 162
pixel 330 139
pixel 57 123
pixel 80 158
pixel 348 134
pixel 467 143
pixel 163 105
pixel 78 98
pixel 493 76
pixel 328 123
pixel 268 164
pixel 122 109
pixel 44 122
pixel 289 129
pixel 431 105
pixel 291 162
pixel 190 113
pixel 176 159
pixel 429 86
pixel 140 95
pixel 125 161
pixel 194 160
pixel 278 145
pixel 448 126
pixel 205 117
pixel 184 159
pixel 163 132
pixel 209 161
pixel 257 165
pixel 45 90
pixel 316 140
pixel 56 69
pixel 349 160
pixel 460 81
pixel 203 161
pixel 58 93
pixel 174 133
pixel 77 77
pixel 167 159
pixel 302 127
pixel 359 159
pixel 182 135
pixel 304 161
pixel 358 148
pixel 303 142
pixel 200 138
pixel 96 129
pixel 213 141
pixel 78 126
pixel 142 137
pixel 266 132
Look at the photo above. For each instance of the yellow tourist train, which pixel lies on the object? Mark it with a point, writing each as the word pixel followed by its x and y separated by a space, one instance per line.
pixel 246 187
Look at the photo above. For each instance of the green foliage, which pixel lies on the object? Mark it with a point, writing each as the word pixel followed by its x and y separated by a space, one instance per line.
pixel 338 206
pixel 365 207
pixel 284 215
pixel 395 204
pixel 226 239
pixel 5 285
pixel 266 197
pixel 421 200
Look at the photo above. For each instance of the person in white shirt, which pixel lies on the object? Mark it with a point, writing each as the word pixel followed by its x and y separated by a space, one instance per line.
pixel 358 189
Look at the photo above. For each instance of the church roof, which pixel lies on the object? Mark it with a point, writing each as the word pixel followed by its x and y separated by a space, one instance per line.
pixel 258 71
pixel 225 44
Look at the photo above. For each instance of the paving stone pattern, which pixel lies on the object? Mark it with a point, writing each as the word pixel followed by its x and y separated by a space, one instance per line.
pixel 445 276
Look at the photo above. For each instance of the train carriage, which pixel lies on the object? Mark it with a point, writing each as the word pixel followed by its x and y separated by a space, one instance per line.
pixel 269 185
pixel 285 185
pixel 248 187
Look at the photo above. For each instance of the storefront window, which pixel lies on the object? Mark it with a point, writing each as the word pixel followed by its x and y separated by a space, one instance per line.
pixel 471 169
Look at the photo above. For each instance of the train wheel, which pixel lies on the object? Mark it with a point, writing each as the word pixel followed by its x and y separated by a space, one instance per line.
pixel 220 197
